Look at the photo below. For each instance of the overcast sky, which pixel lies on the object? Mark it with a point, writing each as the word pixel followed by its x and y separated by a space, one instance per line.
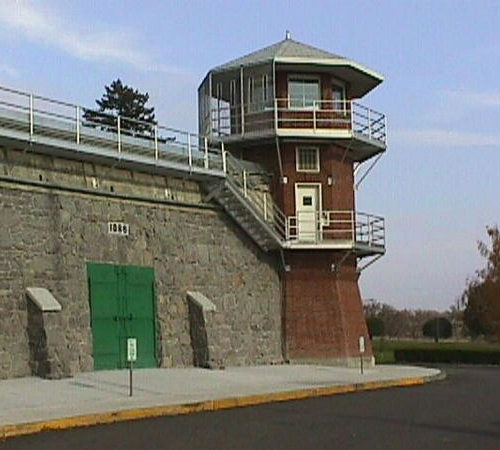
pixel 438 185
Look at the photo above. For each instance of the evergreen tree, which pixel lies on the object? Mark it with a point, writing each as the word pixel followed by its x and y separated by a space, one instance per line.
pixel 126 102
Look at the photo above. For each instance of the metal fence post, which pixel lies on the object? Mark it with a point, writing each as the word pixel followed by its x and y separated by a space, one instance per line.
pixel 275 114
pixel 314 115
pixel 78 125
pixel 351 104
pixel 245 183
pixel 353 226
pixel 265 206
pixel 242 100
pixel 206 152
pixel 224 158
pixel 385 129
pixel 119 134
pixel 190 153
pixel 156 141
pixel 369 124
pixel 32 116
pixel 370 231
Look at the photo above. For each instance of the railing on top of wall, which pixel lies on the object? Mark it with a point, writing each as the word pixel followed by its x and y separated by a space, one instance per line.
pixel 41 116
pixel 289 113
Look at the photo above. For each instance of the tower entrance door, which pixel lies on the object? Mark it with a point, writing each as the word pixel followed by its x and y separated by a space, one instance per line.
pixel 122 304
pixel 307 205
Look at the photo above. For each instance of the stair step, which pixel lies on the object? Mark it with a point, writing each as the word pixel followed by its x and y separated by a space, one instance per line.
pixel 239 211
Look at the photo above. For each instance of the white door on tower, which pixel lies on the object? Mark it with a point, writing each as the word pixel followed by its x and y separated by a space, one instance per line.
pixel 307 212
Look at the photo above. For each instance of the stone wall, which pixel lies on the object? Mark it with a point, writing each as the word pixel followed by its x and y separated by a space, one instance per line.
pixel 54 215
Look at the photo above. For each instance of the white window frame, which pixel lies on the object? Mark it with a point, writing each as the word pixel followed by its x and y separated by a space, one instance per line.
pixel 299 77
pixel 297 160
pixel 341 85
pixel 300 184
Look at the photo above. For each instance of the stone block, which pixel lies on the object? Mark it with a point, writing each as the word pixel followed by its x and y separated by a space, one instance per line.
pixel 43 299
pixel 201 301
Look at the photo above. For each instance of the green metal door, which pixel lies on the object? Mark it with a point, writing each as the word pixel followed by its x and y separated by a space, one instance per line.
pixel 138 294
pixel 104 305
pixel 122 304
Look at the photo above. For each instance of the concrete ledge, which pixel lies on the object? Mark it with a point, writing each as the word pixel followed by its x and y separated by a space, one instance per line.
pixel 43 299
pixel 9 431
pixel 201 301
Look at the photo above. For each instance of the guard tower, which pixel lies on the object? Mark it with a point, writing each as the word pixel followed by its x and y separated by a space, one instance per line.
pixel 294 111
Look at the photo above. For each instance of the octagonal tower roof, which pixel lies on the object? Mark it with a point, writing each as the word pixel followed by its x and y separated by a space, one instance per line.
pixel 287 48
pixel 298 56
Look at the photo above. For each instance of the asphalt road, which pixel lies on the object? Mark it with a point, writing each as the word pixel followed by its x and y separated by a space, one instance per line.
pixel 462 412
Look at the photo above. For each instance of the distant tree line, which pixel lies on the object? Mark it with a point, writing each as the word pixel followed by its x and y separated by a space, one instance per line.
pixel 476 313
pixel 385 320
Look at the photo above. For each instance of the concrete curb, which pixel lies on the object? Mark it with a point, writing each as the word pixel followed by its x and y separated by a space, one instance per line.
pixel 9 431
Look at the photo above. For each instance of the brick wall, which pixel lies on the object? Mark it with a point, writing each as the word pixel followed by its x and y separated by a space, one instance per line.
pixel 340 195
pixel 323 316
pixel 333 163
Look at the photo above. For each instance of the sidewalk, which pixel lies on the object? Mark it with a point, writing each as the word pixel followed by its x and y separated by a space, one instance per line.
pixel 31 404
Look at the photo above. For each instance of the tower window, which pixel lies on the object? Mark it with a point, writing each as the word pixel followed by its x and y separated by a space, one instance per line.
pixel 303 92
pixel 338 97
pixel 307 159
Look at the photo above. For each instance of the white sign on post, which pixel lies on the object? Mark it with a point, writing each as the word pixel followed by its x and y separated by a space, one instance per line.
pixel 361 344
pixel 131 349
pixel 361 351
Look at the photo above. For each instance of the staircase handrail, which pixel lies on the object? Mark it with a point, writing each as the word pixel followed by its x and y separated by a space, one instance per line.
pixel 267 211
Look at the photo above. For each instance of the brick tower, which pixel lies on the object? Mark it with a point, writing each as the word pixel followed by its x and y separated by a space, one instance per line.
pixel 298 142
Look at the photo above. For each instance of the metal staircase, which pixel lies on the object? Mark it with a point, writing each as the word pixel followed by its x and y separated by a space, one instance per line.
pixel 249 206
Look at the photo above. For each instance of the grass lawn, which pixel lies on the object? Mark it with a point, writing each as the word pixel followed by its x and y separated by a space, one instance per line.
pixel 384 348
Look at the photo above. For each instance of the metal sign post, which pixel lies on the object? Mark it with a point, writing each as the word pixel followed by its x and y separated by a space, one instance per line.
pixel 361 351
pixel 131 357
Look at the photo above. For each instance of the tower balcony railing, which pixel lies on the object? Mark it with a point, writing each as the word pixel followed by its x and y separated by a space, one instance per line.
pixel 311 116
pixel 344 227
